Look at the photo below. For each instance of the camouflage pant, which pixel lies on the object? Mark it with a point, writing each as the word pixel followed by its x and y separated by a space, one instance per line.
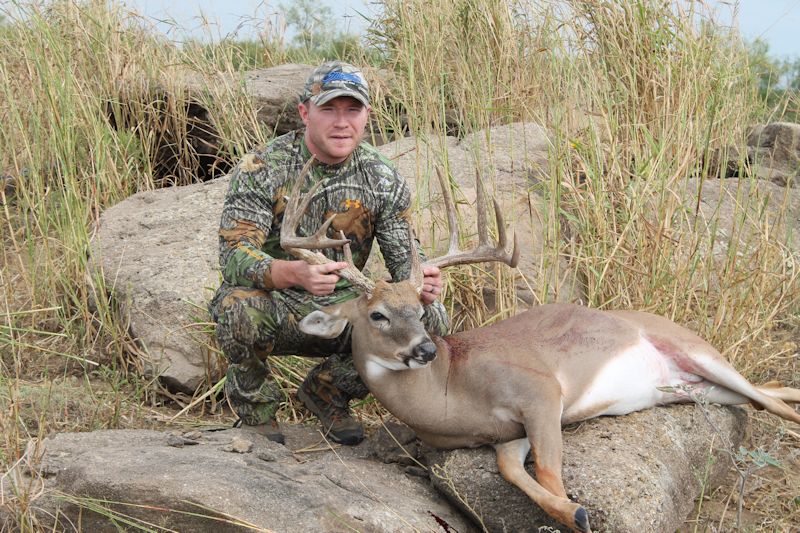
pixel 254 323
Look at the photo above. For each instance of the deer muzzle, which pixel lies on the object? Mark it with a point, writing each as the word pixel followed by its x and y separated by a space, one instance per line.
pixel 425 351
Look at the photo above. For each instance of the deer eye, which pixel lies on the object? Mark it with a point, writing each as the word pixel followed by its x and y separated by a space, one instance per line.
pixel 378 316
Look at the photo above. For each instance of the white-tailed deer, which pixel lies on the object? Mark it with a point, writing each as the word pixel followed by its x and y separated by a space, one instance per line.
pixel 513 384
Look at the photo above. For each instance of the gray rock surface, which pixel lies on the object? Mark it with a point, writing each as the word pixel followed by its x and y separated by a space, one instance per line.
pixel 774 152
pixel 158 255
pixel 215 487
pixel 275 92
pixel 771 209
pixel 635 473
pixel 771 153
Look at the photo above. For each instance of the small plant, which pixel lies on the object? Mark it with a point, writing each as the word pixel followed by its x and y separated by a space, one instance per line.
pixel 744 461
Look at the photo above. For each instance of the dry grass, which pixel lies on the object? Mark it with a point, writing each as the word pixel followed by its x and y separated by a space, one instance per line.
pixel 636 95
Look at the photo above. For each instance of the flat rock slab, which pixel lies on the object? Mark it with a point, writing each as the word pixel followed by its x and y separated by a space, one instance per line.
pixel 640 472
pixel 233 480
pixel 634 473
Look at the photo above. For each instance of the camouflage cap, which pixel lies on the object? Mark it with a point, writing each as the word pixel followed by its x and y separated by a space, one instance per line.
pixel 333 79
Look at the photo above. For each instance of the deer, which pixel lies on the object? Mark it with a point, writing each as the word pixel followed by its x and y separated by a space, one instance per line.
pixel 514 384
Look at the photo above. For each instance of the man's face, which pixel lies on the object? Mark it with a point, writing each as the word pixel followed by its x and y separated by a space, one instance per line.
pixel 334 129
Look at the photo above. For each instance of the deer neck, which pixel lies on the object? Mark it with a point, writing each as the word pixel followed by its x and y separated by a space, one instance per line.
pixel 419 397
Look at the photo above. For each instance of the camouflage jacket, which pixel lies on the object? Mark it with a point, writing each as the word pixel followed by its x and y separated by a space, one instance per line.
pixel 365 192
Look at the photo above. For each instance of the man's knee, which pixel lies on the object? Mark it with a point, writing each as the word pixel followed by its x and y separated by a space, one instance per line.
pixel 246 323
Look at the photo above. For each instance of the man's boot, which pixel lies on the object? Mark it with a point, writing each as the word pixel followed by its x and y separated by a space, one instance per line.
pixel 331 408
pixel 255 398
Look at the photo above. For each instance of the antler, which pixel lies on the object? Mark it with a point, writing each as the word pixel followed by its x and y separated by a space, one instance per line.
pixel 300 247
pixel 485 251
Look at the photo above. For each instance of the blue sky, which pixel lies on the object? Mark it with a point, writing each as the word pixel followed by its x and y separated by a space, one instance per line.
pixel 776 21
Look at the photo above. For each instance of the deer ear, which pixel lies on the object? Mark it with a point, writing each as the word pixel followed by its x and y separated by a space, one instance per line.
pixel 327 323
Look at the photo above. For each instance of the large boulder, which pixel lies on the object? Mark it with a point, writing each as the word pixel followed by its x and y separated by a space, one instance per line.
pixel 740 212
pixel 511 160
pixel 157 251
pixel 771 152
pixel 774 152
pixel 635 473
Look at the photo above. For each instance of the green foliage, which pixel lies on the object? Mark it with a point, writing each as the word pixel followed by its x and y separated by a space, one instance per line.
pixel 316 35
pixel 311 21
pixel 759 458
pixel 778 81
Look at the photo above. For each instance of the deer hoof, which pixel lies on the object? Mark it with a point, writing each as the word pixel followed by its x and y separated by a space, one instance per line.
pixel 582 520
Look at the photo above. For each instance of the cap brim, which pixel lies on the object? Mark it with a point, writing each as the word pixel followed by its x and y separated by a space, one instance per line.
pixel 326 96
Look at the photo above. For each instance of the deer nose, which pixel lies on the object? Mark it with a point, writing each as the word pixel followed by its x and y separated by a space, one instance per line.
pixel 425 351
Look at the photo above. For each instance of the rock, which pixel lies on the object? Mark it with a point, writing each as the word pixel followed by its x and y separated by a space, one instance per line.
pixel 276 93
pixel 775 153
pixel 178 441
pixel 513 159
pixel 269 489
pixel 395 443
pixel 239 445
pixel 721 210
pixel 771 153
pixel 158 254
pixel 640 472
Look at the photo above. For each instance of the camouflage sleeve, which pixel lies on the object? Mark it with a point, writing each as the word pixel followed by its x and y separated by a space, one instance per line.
pixel 391 229
pixel 245 223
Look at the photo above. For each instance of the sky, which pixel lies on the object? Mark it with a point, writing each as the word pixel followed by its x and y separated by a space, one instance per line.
pixel 776 21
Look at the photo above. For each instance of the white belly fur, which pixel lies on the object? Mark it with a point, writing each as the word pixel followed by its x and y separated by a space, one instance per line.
pixel 629 382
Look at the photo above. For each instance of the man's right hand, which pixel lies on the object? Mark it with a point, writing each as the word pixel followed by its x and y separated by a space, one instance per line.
pixel 319 280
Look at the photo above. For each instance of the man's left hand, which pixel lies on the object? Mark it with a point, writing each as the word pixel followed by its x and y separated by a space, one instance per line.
pixel 431 284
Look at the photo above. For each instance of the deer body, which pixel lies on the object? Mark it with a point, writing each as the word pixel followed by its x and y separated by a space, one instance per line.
pixel 599 362
pixel 514 383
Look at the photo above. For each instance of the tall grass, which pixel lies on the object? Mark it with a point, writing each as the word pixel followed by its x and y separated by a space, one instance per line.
pixel 636 96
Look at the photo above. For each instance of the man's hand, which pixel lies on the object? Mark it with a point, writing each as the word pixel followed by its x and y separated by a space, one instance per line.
pixel 431 284
pixel 319 280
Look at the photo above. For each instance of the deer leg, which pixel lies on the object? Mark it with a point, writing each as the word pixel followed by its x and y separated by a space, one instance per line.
pixel 777 390
pixel 511 462
pixel 722 373
pixel 547 446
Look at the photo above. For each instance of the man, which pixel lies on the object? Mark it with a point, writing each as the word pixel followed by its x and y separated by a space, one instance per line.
pixel 265 293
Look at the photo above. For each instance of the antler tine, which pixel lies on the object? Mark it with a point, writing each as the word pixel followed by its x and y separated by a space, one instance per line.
pixel 415 276
pixel 480 206
pixel 294 213
pixel 450 208
pixel 301 247
pixel 485 251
